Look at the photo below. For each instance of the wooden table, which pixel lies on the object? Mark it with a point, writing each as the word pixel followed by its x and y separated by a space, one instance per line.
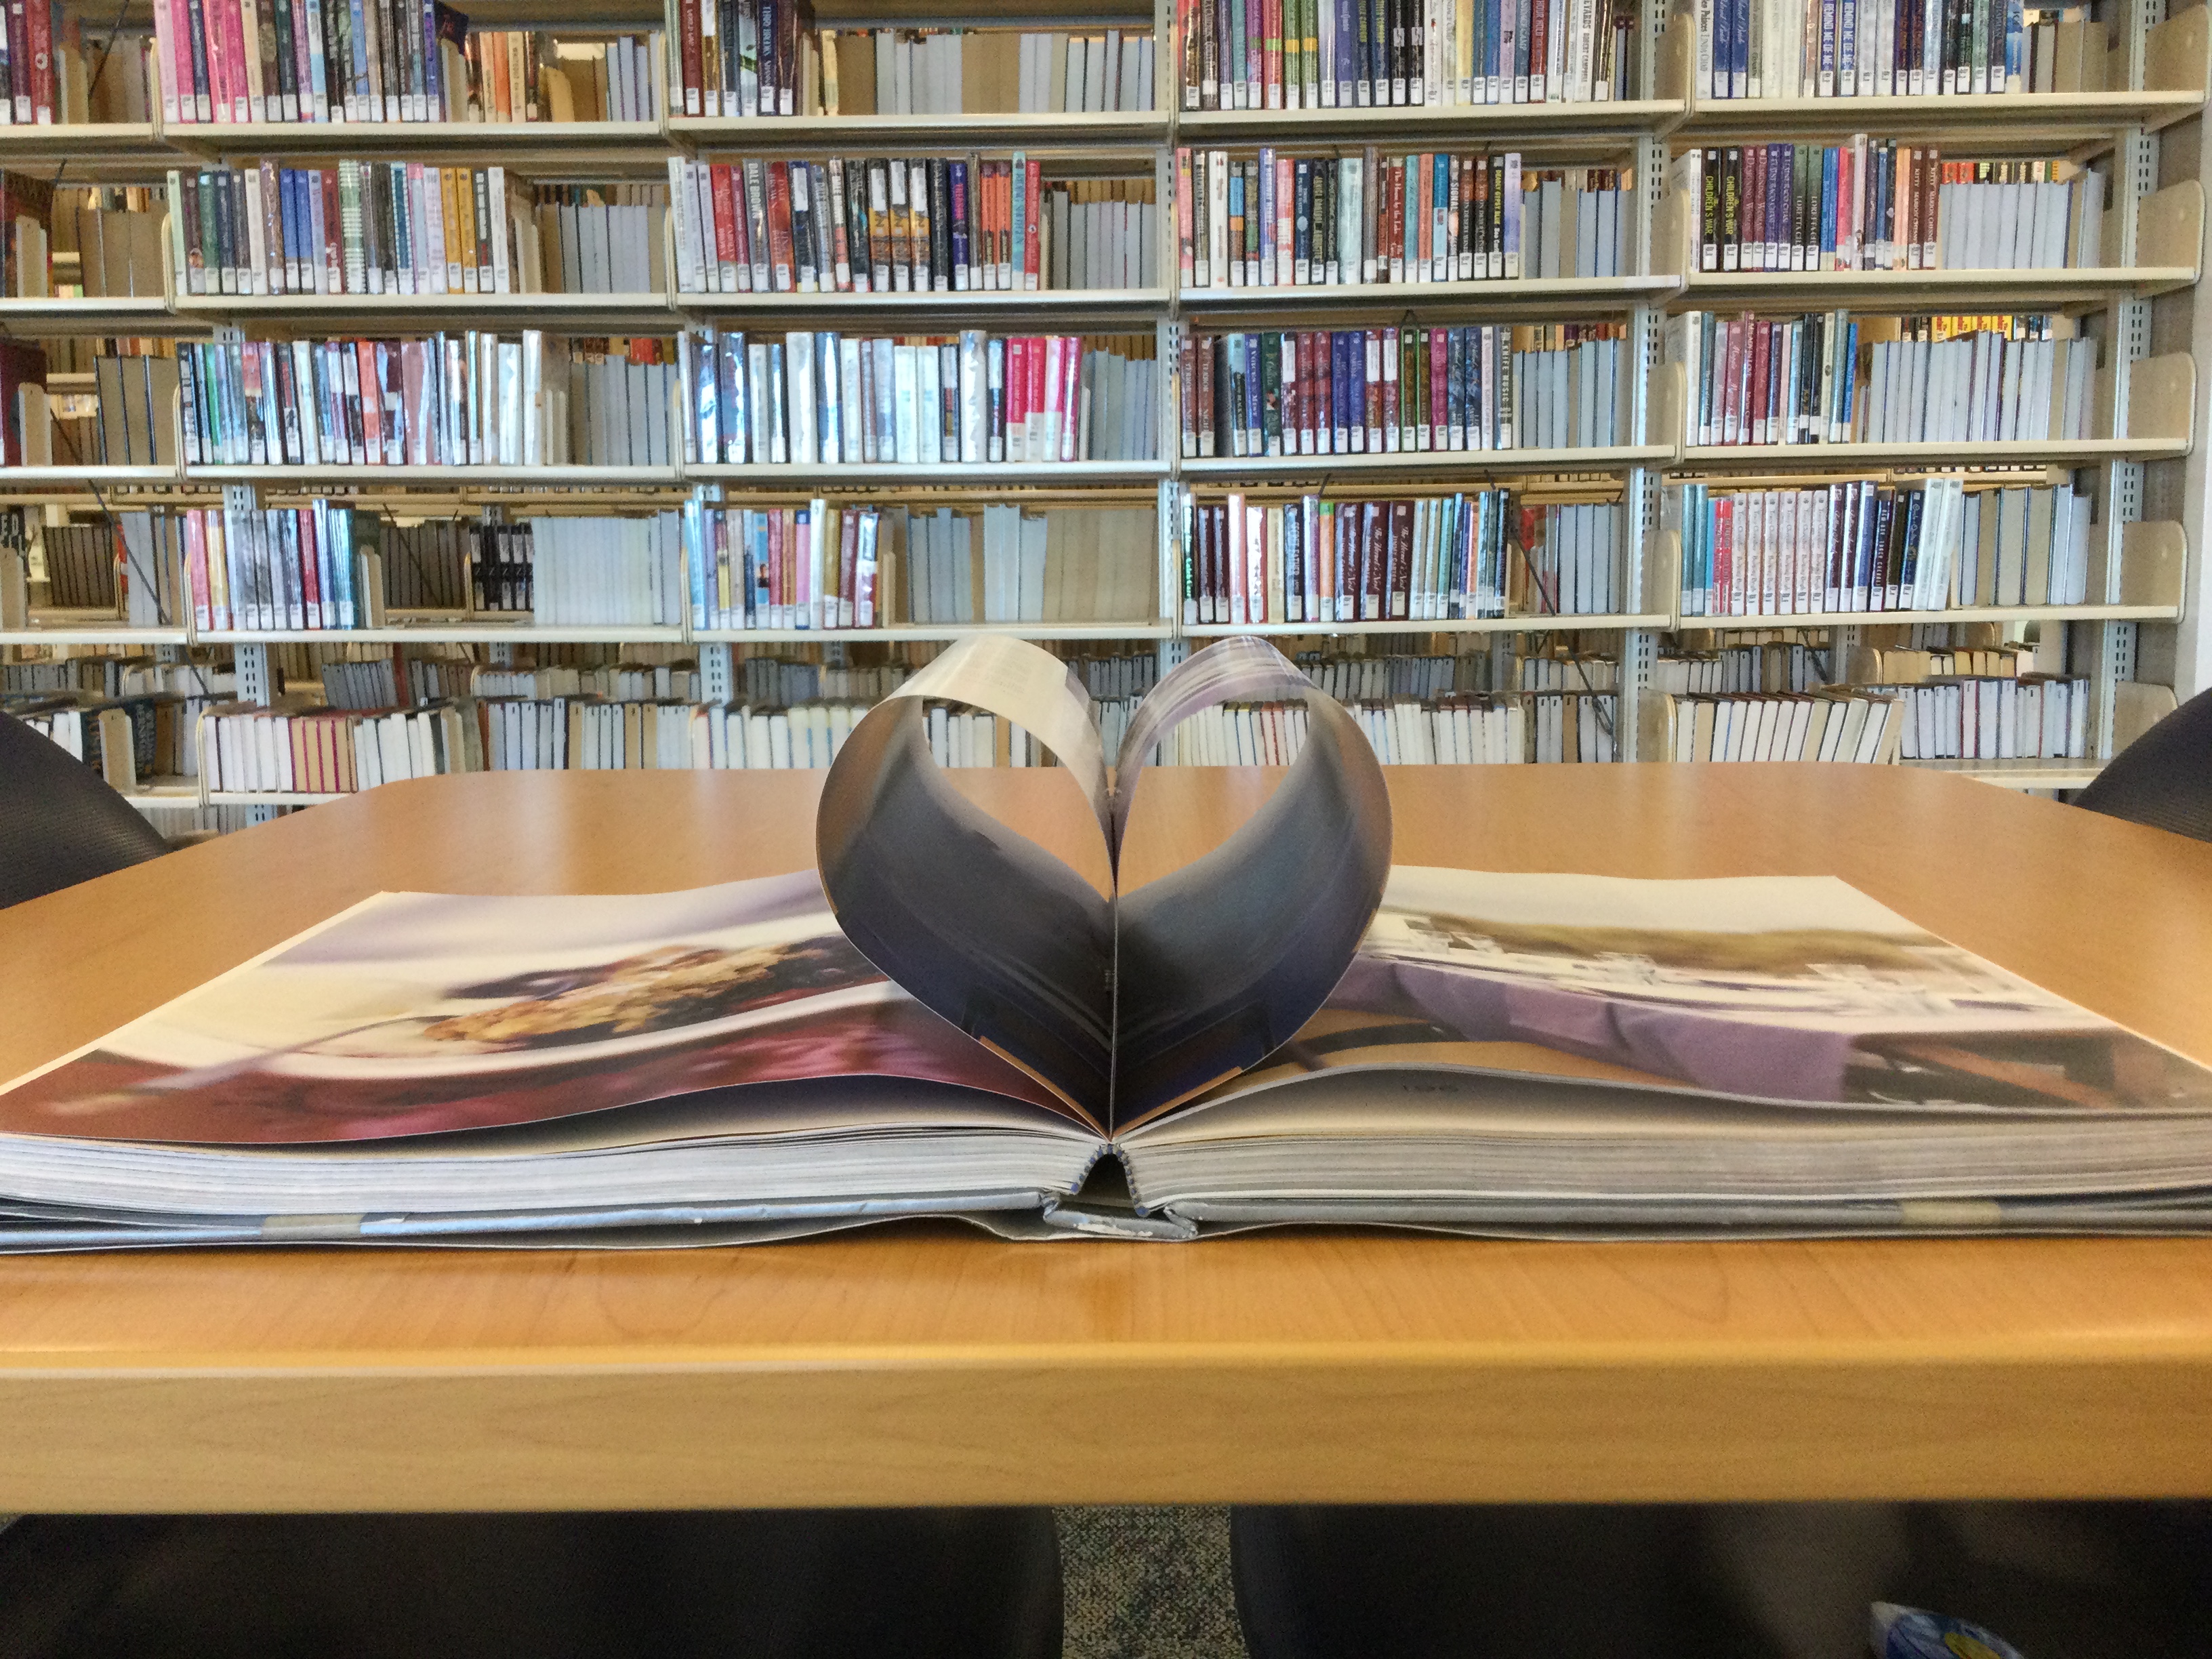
pixel 932 1363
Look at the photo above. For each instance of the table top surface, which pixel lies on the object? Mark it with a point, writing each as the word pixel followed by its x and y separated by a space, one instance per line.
pixel 930 1362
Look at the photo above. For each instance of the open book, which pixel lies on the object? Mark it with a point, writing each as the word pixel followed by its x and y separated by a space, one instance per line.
pixel 948 1021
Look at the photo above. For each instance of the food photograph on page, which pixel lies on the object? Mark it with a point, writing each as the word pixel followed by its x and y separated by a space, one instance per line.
pixel 1790 988
pixel 416 1013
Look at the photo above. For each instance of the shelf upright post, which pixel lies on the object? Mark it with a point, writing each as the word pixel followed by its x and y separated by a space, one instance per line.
pixel 1173 499
pixel 250 662
pixel 1641 487
pixel 2127 342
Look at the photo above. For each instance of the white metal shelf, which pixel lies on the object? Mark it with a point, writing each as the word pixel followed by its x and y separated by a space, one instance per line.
pixel 1607 623
pixel 1436 463
pixel 1516 296
pixel 481 633
pixel 829 479
pixel 2029 773
pixel 1881 291
pixel 1153 629
pixel 575 314
pixel 1945 457
pixel 1690 620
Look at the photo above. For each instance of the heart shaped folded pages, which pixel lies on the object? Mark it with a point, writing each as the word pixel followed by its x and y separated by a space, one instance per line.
pixel 1124 1005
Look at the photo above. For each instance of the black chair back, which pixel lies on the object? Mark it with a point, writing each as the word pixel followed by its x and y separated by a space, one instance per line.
pixel 2164 778
pixel 60 824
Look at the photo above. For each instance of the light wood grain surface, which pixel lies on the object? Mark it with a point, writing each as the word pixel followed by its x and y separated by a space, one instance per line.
pixel 932 1364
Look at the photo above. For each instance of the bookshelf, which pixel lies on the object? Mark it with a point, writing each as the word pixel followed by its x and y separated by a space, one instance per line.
pixel 2143 399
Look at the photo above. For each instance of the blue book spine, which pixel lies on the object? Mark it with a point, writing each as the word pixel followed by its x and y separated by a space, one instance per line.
pixel 956 190
pixel 1345 64
pixel 1847 47
pixel 1232 71
pixel 695 560
pixel 1826 85
pixel 2016 28
pixel 1827 206
pixel 1236 271
pixel 1254 436
pixel 1724 49
pixel 359 65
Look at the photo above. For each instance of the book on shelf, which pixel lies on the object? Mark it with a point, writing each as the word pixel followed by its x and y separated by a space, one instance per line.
pixel 296 747
pixel 825 567
pixel 105 242
pixel 604 571
pixel 1872 205
pixel 971 71
pixel 27 426
pixel 597 238
pixel 350 227
pixel 1893 48
pixel 465 398
pixel 1406 390
pixel 1828 724
pixel 1323 560
pixel 944 1019
pixel 1272 219
pixel 26 237
pixel 1347 54
pixel 136 424
pixel 28 64
pixel 269 569
pixel 133 740
pixel 1835 378
pixel 1857 546
pixel 2007 717
pixel 292 61
pixel 829 399
pixel 906 225
pixel 1792 665
pixel 738 58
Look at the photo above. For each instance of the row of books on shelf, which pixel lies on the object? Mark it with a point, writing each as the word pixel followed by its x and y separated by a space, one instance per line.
pixel 390 679
pixel 1834 378
pixel 1461 557
pixel 405 227
pixel 2023 717
pixel 1878 205
pixel 309 750
pixel 823 568
pixel 1860 546
pixel 1829 724
pixel 906 225
pixel 827 399
pixel 1409 389
pixel 466 398
pixel 1894 49
pixel 736 59
pixel 1359 54
pixel 233 62
pixel 1278 220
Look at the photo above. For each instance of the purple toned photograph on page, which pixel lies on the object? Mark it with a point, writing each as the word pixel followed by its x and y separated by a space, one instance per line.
pixel 416 1013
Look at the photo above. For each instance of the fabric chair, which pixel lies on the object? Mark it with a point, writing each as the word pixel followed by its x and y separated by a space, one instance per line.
pixel 905 1584
pixel 60 824
pixel 2164 778
pixel 1769 1581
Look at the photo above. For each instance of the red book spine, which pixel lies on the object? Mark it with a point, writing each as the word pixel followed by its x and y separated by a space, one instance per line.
pixel 688 28
pixel 311 587
pixel 779 229
pixel 1761 352
pixel 1187 386
pixel 1033 199
pixel 1439 386
pixel 726 221
pixel 41 31
pixel 334 235
pixel 372 403
pixel 1017 396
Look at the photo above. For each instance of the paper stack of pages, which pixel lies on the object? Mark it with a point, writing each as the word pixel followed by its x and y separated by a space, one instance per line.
pixel 947 1021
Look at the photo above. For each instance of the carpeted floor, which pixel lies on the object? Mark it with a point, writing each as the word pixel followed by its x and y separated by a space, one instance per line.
pixel 1148 1584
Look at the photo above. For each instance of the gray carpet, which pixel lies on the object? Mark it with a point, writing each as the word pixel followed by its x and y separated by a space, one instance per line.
pixel 1148 1584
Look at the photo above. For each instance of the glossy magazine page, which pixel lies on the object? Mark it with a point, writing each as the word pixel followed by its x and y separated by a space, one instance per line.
pixel 426 1013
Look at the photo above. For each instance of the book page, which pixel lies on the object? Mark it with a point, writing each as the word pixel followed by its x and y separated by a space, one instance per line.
pixel 1794 989
pixel 425 1014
